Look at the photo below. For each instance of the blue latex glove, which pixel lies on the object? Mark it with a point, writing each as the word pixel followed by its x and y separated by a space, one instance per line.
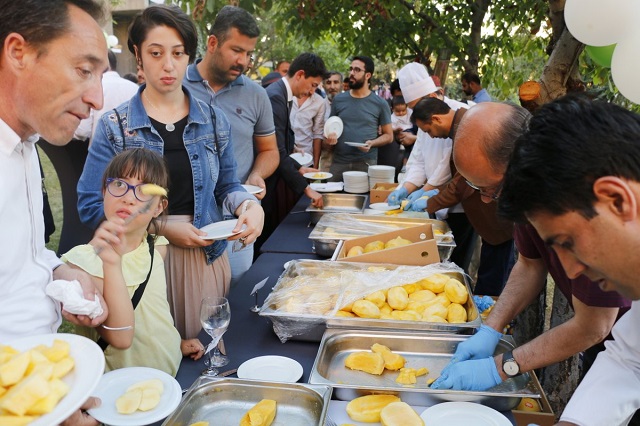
pixel 420 204
pixel 473 375
pixel 398 195
pixel 480 345
pixel 416 194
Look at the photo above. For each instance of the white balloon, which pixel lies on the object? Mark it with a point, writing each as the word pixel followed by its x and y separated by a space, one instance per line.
pixel 601 23
pixel 112 41
pixel 624 67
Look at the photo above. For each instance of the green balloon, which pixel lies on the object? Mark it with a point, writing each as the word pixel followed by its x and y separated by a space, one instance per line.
pixel 601 55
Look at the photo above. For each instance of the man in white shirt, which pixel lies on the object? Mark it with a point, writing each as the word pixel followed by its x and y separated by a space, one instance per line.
pixel 115 91
pixel 51 64
pixel 307 123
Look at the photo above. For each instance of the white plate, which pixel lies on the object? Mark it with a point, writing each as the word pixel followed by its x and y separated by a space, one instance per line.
pixel 327 187
pixel 317 175
pixel 253 189
pixel 463 414
pixel 356 144
pixel 333 125
pixel 303 158
pixel 271 368
pixel 220 230
pixel 372 212
pixel 384 206
pixel 82 380
pixel 116 382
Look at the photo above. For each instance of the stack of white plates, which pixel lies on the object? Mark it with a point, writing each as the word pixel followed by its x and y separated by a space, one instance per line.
pixel 381 174
pixel 356 182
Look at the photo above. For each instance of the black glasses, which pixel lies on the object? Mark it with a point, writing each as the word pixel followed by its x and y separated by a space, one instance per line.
pixel 494 193
pixel 355 70
pixel 119 188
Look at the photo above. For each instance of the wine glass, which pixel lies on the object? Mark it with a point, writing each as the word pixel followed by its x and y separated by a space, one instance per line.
pixel 215 315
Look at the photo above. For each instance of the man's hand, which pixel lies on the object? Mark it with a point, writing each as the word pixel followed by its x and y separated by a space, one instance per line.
pixel 316 197
pixel 89 290
pixel 480 345
pixel 80 417
pixel 331 139
pixel 419 204
pixel 397 196
pixel 256 180
pixel 304 170
pixel 366 147
pixel 473 375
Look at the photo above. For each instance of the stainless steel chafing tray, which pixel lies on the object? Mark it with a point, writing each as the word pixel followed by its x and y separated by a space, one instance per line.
pixel 325 281
pixel 223 402
pixel 338 203
pixel 430 350
pixel 334 227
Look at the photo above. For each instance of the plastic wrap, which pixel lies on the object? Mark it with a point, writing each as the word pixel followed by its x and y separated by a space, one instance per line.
pixel 333 227
pixel 310 292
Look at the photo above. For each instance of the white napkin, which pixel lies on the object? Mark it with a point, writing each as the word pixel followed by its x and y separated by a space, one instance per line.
pixel 69 293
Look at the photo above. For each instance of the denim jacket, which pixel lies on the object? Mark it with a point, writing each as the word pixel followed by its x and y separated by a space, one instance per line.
pixel 215 182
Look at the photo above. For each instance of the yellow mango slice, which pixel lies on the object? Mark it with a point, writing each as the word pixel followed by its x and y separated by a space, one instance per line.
pixel 150 399
pixel 16 420
pixel 435 282
pixel 367 408
pixel 261 414
pixel 397 298
pixel 456 313
pixel 147 384
pixel 369 362
pixel 378 298
pixel 23 395
pixel 46 405
pixel 13 370
pixel 456 291
pixel 400 414
pixel 365 309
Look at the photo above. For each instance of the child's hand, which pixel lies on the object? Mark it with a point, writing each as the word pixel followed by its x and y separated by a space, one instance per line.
pixel 192 348
pixel 107 240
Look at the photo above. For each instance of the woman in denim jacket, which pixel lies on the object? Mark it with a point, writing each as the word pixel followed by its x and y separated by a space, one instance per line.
pixel 194 139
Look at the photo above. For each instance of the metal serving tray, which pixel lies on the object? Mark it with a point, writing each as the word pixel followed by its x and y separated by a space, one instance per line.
pixel 310 327
pixel 430 350
pixel 338 203
pixel 334 227
pixel 223 402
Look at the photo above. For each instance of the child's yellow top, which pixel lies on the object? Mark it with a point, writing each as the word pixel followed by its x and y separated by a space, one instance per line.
pixel 156 342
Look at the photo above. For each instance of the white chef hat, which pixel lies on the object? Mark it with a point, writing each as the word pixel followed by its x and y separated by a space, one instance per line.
pixel 415 82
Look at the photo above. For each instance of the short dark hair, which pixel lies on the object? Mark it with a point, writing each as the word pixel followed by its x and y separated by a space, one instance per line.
pixel 40 22
pixel 571 142
pixel 113 61
pixel 310 63
pixel 398 100
pixel 471 77
pixel 332 73
pixel 163 15
pixel 234 17
pixel 427 107
pixel 368 63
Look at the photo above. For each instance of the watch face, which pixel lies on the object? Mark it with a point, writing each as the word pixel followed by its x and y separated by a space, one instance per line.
pixel 511 368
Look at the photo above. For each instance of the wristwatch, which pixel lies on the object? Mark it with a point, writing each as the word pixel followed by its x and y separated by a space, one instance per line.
pixel 510 365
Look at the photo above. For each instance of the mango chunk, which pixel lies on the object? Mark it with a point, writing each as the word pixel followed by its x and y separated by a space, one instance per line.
pixel 400 414
pixel 369 362
pixel 23 395
pixel 367 408
pixel 261 414
pixel 13 370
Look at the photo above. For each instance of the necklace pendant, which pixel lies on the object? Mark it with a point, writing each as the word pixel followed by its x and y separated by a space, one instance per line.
pixel 170 127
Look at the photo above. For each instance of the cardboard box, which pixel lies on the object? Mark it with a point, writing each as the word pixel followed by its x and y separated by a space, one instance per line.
pixel 381 191
pixel 546 417
pixel 422 251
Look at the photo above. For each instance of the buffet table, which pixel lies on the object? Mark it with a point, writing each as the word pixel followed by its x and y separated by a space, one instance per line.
pixel 250 335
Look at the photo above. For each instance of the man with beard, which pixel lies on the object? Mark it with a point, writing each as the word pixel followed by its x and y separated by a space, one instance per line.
pixel 218 79
pixel 332 86
pixel 471 87
pixel 362 113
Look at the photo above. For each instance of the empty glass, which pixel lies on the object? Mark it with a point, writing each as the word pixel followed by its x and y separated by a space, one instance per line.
pixel 215 315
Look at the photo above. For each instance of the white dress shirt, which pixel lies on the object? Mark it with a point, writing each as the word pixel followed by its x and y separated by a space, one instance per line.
pixel 616 374
pixel 115 90
pixel 25 264
pixel 307 121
